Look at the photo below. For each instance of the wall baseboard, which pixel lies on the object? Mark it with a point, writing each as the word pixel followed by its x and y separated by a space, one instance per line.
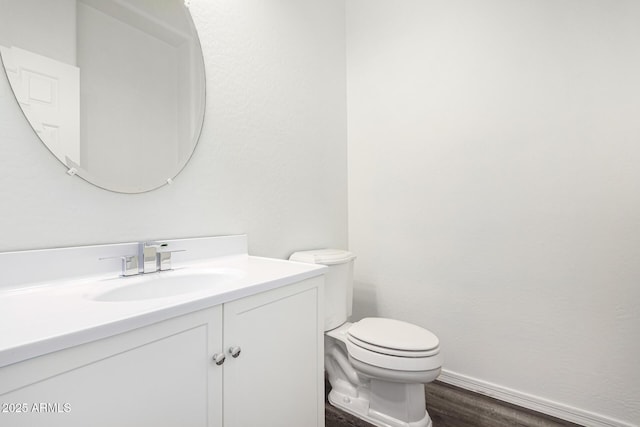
pixel 534 403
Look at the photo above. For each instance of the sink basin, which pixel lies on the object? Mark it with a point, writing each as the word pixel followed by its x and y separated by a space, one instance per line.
pixel 166 284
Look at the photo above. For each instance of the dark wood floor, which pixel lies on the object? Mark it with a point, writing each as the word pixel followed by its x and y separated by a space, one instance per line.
pixel 451 406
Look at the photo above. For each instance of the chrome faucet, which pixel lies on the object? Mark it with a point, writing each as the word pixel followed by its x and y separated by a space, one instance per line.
pixel 148 253
pixel 153 257
pixel 150 258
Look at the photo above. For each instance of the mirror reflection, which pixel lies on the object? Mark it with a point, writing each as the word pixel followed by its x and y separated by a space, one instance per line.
pixel 114 88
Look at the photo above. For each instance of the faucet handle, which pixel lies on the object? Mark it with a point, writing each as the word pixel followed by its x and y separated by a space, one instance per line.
pixel 129 264
pixel 164 259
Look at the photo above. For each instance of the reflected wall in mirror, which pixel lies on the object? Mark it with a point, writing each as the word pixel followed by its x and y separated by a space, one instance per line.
pixel 113 88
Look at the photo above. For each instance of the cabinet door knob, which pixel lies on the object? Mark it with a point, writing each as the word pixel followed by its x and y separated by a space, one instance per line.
pixel 218 358
pixel 234 351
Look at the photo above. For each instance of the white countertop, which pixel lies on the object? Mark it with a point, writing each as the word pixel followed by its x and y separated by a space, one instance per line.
pixel 46 317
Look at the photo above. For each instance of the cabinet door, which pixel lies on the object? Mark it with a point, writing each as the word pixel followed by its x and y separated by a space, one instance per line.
pixel 277 380
pixel 159 375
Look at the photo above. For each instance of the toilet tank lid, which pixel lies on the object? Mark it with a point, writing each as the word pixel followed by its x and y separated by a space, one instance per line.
pixel 323 256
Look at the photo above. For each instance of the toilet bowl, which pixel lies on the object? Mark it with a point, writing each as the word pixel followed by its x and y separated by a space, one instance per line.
pixel 377 367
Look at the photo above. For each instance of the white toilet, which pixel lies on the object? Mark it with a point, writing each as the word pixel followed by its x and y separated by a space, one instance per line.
pixel 377 367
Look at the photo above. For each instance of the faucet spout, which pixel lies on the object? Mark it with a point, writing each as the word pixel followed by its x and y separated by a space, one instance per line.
pixel 148 252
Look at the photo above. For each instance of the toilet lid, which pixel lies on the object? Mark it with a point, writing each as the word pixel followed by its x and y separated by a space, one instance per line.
pixel 393 337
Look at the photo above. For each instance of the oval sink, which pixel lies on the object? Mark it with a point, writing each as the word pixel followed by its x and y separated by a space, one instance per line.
pixel 166 284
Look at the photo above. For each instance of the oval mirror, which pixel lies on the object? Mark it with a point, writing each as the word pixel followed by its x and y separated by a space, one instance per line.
pixel 113 88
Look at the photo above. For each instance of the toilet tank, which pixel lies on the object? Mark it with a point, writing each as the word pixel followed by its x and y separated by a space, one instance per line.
pixel 338 286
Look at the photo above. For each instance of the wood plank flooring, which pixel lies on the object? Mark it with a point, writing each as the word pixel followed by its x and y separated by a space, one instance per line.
pixel 451 406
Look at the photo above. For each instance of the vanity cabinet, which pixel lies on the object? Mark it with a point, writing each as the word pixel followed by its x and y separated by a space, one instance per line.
pixel 165 374
pixel 278 378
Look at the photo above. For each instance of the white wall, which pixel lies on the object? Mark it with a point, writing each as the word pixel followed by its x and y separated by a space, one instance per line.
pixel 271 161
pixel 494 190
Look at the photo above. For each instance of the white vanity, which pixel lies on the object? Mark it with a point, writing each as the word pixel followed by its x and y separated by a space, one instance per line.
pixel 96 349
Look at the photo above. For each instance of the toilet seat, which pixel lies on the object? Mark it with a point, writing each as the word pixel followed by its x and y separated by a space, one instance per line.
pixel 393 351
pixel 402 338
pixel 393 344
